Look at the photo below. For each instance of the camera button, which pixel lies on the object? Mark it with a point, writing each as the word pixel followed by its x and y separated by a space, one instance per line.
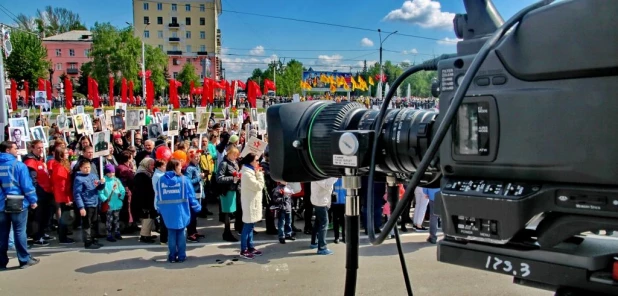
pixel 498 80
pixel 483 81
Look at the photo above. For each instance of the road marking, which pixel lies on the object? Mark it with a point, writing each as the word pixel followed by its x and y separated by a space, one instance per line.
pixel 189 245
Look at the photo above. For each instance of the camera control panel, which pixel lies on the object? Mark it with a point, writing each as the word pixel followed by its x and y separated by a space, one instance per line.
pixel 490 188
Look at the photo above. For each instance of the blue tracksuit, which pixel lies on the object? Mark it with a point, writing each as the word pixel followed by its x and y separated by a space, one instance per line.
pixel 15 180
pixel 174 196
pixel 86 190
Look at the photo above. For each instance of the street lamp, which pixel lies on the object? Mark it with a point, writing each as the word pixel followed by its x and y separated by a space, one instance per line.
pixel 381 69
pixel 143 60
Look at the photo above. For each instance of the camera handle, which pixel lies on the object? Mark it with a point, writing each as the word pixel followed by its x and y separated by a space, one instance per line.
pixel 351 183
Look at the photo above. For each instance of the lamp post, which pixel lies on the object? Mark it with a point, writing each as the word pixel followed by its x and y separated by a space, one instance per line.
pixel 381 69
pixel 143 61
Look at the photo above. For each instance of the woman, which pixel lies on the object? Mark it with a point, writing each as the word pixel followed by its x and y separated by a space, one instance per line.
pixel 207 166
pixel 126 176
pixel 252 180
pixel 60 177
pixel 195 176
pixel 84 142
pixel 119 144
pixel 143 203
pixel 227 178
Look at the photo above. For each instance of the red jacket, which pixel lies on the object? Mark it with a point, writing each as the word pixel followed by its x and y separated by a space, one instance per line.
pixel 38 172
pixel 62 184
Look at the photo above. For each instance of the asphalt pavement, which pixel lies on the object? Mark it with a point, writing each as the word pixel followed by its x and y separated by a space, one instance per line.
pixel 213 267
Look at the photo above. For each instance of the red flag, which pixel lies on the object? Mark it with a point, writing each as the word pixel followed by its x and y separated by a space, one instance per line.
pixel 241 84
pixel 111 91
pixel 123 90
pixel 131 91
pixel 90 88
pixel 68 93
pixel 211 90
pixel 174 93
pixel 95 94
pixel 41 85
pixel 149 93
pixel 269 85
pixel 253 91
pixel 49 90
pixel 191 86
pixel 229 92
pixel 204 92
pixel 13 94
pixel 27 90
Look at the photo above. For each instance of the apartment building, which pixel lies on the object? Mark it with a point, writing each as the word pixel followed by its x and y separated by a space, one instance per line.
pixel 67 52
pixel 187 30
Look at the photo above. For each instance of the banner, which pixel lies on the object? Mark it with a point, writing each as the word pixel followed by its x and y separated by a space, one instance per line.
pixel 322 80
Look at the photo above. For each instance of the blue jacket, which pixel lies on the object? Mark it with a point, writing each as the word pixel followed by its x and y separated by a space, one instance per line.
pixel 431 192
pixel 15 180
pixel 115 197
pixel 174 196
pixel 86 190
pixel 193 173
pixel 340 191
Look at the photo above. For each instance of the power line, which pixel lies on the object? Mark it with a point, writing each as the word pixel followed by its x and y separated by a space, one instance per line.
pixel 295 58
pixel 301 50
pixel 8 13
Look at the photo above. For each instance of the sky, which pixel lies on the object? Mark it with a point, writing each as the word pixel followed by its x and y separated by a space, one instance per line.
pixel 250 41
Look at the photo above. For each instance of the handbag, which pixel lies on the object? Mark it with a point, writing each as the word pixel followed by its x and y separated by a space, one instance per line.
pixel 13 203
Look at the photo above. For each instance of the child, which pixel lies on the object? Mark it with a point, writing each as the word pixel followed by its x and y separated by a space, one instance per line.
pixel 113 193
pixel 175 200
pixel 282 203
pixel 86 195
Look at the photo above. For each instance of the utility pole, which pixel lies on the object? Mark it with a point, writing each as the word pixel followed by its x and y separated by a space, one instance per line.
pixel 381 69
pixel 143 62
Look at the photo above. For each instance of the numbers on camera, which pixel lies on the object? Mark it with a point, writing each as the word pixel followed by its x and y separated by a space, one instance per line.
pixel 507 266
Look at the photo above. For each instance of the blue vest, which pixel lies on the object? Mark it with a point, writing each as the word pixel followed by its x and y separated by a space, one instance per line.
pixel 172 201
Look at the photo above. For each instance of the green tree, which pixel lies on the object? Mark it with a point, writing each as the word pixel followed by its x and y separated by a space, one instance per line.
pixel 185 76
pixel 288 83
pixel 156 62
pixel 51 21
pixel 82 82
pixel 28 61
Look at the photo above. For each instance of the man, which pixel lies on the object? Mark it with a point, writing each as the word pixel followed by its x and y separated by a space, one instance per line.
pixel 137 142
pixel 132 119
pixel 61 120
pixel 430 194
pixel 154 131
pixel 16 135
pixel 42 182
pixel 101 145
pixel 148 148
pixel 321 197
pixel 38 134
pixel 79 123
pixel 174 122
pixel 18 183
pixel 40 99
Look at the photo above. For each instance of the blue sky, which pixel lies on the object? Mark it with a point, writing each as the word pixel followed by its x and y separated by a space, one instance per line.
pixel 250 41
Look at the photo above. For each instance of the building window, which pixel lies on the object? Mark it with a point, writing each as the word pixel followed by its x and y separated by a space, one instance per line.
pixel 202 7
pixel 188 35
pixel 159 20
pixel 59 66
pixel 146 6
pixel 161 46
pixel 188 21
pixel 202 48
pixel 188 50
pixel 146 20
pixel 175 62
pixel 175 75
pixel 201 76
pixel 73 66
pixel 58 52
pixel 174 34
pixel 86 52
pixel 71 52
pixel 174 47
pixel 188 7
pixel 174 7
pixel 202 21
pixel 159 6
pixel 188 60
pixel 174 20
pixel 160 34
pixel 202 34
pixel 146 34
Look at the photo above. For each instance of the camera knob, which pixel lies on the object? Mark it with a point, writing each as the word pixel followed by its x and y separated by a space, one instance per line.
pixel 348 144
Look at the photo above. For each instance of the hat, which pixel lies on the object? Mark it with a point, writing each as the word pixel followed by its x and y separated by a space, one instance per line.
pixel 117 136
pixel 253 133
pixel 234 139
pixel 109 168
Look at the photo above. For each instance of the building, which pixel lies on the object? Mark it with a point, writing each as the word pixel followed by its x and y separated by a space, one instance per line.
pixel 67 52
pixel 187 30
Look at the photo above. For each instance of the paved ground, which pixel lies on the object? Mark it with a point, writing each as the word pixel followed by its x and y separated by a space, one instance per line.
pixel 213 268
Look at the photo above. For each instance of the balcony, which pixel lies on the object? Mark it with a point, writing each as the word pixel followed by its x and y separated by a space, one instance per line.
pixel 174 39
pixel 72 71
pixel 173 25
pixel 174 52
pixel 202 53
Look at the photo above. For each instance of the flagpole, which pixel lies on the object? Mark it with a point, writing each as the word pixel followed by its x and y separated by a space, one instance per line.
pixel 3 100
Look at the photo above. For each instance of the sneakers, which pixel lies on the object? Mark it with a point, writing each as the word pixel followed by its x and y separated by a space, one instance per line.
pixel 118 236
pixel 40 243
pixel 193 238
pixel 111 239
pixel 290 237
pixel 325 252
pixel 68 241
pixel 247 255
pixel 93 247
pixel 313 246
pixel 431 240
pixel 256 252
pixel 146 239
pixel 282 240
pixel 48 238
pixel 33 261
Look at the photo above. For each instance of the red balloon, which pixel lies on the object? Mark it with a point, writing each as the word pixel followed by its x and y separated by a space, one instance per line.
pixel 155 110
pixel 163 153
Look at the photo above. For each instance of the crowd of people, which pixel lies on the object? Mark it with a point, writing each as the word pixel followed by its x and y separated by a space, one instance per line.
pixel 148 187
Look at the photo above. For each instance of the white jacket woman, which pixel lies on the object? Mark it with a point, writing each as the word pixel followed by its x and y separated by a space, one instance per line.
pixel 251 186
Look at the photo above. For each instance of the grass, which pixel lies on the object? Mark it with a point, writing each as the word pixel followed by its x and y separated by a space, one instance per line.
pixel 89 109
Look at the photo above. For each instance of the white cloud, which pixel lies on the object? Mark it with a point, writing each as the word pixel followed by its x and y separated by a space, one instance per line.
pixel 366 42
pixel 270 59
pixel 411 51
pixel 448 41
pixel 425 13
pixel 362 63
pixel 407 61
pixel 327 60
pixel 223 50
pixel 258 50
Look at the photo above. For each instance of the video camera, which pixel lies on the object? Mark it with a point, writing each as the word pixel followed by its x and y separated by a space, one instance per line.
pixel 527 165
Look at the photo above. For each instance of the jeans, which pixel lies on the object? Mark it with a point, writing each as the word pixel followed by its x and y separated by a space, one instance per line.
pixel 90 223
pixel 18 221
pixel 320 227
pixel 285 223
pixel 421 206
pixel 246 237
pixel 63 226
pixel 42 213
pixel 176 244
pixel 11 239
pixel 339 219
pixel 433 221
